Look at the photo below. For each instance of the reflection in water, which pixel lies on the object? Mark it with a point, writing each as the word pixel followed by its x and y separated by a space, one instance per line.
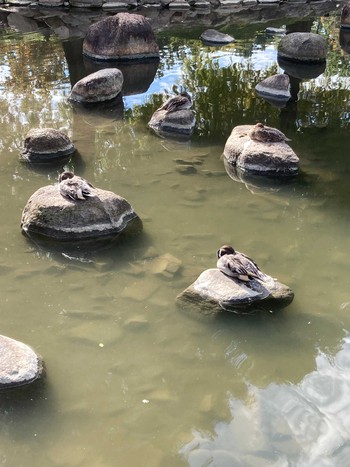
pixel 307 424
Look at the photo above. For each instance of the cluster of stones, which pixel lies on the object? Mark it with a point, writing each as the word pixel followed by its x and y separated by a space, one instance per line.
pixel 212 13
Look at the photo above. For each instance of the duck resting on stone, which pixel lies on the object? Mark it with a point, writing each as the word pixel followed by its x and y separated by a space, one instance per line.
pixel 182 101
pixel 74 187
pixel 237 265
pixel 267 134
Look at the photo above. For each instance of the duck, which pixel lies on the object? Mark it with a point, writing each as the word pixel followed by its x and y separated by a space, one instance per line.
pixel 267 134
pixel 74 187
pixel 237 265
pixel 182 101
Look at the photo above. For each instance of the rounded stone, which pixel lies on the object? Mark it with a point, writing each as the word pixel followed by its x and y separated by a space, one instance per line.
pixel 119 37
pixel 19 364
pixel 275 87
pixel 305 47
pixel 102 217
pixel 269 159
pixel 213 37
pixel 179 123
pixel 213 291
pixel 103 85
pixel 46 145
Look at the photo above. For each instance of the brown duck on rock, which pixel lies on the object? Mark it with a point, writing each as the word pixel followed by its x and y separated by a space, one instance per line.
pixel 267 134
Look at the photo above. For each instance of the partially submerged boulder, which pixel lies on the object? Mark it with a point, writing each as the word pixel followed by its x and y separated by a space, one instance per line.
pixel 123 36
pixel 46 145
pixel 275 89
pixel 100 218
pixel 213 291
pixel 103 85
pixel 213 37
pixel 305 47
pixel 180 123
pixel 275 159
pixel 19 364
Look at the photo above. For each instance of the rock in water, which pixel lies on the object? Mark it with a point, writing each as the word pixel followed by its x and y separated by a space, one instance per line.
pixel 19 364
pixel 213 37
pixel 103 85
pixel 305 47
pixel 45 145
pixel 213 292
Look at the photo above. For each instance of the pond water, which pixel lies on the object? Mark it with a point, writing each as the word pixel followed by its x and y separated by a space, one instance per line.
pixel 132 379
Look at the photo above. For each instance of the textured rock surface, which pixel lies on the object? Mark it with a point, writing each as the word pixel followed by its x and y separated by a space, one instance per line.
pixel 122 36
pixel 46 145
pixel 271 159
pixel 213 291
pixel 180 122
pixel 103 216
pixel 303 47
pixel 211 36
pixel 276 87
pixel 103 85
pixel 19 364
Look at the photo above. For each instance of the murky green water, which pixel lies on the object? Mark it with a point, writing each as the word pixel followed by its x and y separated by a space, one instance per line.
pixel 132 379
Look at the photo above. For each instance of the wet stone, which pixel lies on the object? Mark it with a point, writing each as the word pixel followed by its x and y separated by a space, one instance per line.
pixel 46 145
pixel 185 169
pixel 213 37
pixel 103 85
pixel 276 87
pixel 213 291
pixel 19 364
pixel 274 159
pixel 102 217
pixel 122 36
pixel 165 265
pixel 305 47
pixel 138 322
pixel 180 123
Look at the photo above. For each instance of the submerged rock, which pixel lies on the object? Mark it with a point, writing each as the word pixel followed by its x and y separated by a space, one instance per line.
pixel 46 145
pixel 103 85
pixel 19 364
pixel 275 159
pixel 301 70
pixel 102 217
pixel 305 47
pixel 213 37
pixel 119 37
pixel 180 123
pixel 213 291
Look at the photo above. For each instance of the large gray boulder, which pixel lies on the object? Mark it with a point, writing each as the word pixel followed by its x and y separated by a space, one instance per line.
pixel 19 364
pixel 180 123
pixel 103 85
pixel 119 37
pixel 213 292
pixel 102 217
pixel 270 159
pixel 305 47
pixel 45 145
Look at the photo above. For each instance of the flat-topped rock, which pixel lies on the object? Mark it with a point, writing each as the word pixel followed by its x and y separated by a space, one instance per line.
pixel 213 291
pixel 123 36
pixel 103 85
pixel 103 216
pixel 275 159
pixel 213 37
pixel 19 364
pixel 45 145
